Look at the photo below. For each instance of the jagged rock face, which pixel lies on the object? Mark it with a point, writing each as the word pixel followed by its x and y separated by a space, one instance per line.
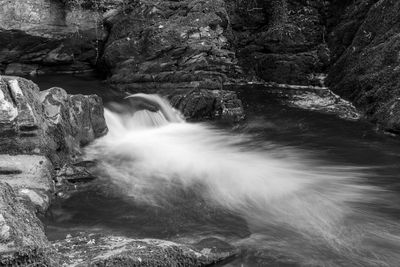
pixel 288 49
pixel 50 122
pixel 170 44
pixel 22 238
pixel 368 71
pixel 48 36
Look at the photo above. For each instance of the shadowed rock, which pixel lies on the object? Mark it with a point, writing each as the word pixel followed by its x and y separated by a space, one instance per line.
pixel 209 104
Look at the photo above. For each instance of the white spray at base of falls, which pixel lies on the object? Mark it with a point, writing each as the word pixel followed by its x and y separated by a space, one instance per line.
pixel 297 208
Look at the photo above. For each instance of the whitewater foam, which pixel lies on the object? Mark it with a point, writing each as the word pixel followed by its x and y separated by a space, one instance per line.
pixel 293 205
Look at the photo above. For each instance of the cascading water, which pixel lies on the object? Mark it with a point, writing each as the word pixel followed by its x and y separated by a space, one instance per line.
pixel 297 209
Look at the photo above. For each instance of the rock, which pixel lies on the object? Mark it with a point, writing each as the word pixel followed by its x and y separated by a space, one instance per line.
pixel 71 178
pixel 367 72
pixel 50 122
pixel 31 178
pixel 156 43
pixel 23 128
pixel 74 121
pixel 288 51
pixel 314 98
pixel 327 103
pixel 35 34
pixel 22 238
pixel 99 250
pixel 209 104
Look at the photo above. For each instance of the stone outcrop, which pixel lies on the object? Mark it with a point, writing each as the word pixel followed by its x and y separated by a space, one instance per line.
pixel 49 122
pixel 170 45
pixel 283 46
pixel 49 36
pixel 209 104
pixel 40 131
pixel 367 72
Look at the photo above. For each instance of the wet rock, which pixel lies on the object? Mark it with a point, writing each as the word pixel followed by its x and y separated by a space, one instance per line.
pixel 326 103
pixel 314 98
pixel 215 248
pixel 74 120
pixel 98 250
pixel 49 122
pixel 31 178
pixel 22 238
pixel 71 178
pixel 367 69
pixel 209 104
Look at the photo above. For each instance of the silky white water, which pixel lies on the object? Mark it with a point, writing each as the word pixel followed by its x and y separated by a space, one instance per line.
pixel 296 207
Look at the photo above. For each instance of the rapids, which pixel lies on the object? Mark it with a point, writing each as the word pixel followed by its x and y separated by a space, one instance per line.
pixel 300 211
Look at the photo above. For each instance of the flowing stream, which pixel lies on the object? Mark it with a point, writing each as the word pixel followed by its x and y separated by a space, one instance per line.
pixel 288 187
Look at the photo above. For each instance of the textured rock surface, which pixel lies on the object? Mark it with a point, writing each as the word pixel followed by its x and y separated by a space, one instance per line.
pixel 170 44
pixel 41 36
pixel 30 176
pixel 74 120
pixel 209 104
pixel 35 126
pixel 50 122
pixel 22 238
pixel 98 250
pixel 368 70
pixel 283 48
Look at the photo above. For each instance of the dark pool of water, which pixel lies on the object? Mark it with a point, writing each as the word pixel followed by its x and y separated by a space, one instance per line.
pixel 334 141
pixel 80 84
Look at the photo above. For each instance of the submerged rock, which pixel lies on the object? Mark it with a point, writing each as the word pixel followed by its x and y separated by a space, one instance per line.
pixel 100 250
pixel 209 104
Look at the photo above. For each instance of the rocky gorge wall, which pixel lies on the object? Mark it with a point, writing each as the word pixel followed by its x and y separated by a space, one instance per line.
pixel 195 45
pixel 367 69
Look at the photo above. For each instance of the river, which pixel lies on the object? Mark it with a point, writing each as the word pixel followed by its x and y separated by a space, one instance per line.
pixel 289 187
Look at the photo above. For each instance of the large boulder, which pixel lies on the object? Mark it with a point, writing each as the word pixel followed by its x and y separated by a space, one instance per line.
pixel 22 238
pixel 367 72
pixel 50 122
pixel 170 44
